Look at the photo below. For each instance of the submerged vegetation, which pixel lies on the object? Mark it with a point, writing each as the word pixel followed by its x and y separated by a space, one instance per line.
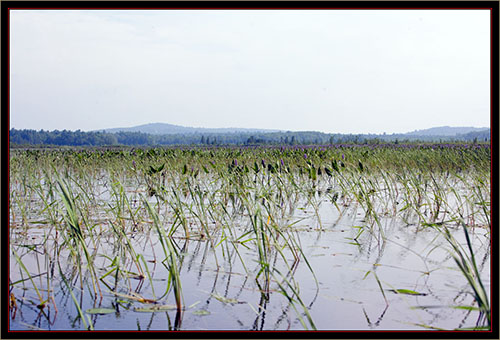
pixel 109 238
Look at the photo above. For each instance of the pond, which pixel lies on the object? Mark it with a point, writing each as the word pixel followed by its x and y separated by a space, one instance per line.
pixel 140 241
pixel 359 280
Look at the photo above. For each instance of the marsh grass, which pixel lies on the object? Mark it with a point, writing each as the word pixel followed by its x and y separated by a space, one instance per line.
pixel 466 262
pixel 236 201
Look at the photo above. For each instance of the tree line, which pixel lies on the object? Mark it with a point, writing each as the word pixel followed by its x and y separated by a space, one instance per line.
pixel 93 138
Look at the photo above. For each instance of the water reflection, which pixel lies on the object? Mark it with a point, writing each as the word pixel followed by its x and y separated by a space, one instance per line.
pixel 225 276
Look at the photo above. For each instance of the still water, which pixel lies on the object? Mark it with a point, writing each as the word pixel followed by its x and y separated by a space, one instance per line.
pixel 353 275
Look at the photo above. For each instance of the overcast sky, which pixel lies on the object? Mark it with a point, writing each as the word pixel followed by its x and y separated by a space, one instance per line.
pixel 337 71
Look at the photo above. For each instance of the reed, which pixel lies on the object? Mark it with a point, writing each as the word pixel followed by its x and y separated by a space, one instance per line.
pixel 105 213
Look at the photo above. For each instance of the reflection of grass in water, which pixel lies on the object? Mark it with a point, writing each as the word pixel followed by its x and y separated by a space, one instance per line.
pixel 237 198
pixel 466 262
pixel 89 325
pixel 171 258
pixel 76 239
pixel 30 277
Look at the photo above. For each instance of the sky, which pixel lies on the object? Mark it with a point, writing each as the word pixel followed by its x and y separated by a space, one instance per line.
pixel 334 71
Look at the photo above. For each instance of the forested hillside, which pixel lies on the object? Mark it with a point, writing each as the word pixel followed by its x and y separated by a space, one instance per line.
pixel 81 138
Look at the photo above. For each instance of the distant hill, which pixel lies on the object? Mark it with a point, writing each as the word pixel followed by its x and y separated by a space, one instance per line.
pixel 167 129
pixel 168 134
pixel 481 135
pixel 445 131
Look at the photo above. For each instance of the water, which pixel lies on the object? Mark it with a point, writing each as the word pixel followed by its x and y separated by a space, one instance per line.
pixel 358 265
